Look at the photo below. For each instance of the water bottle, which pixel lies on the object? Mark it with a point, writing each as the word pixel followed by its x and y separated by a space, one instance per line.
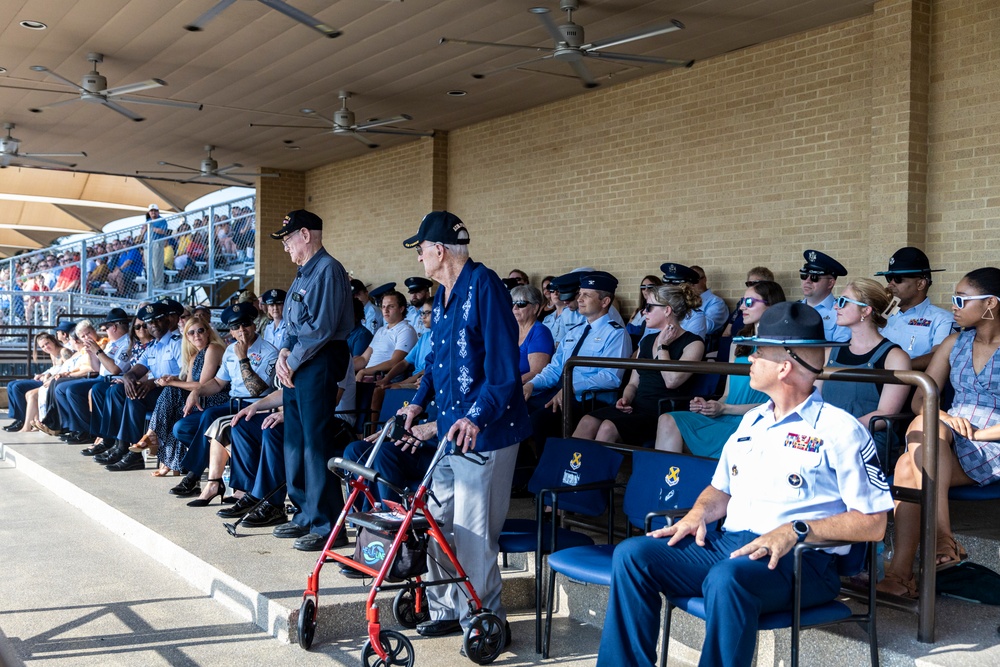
pixel 225 476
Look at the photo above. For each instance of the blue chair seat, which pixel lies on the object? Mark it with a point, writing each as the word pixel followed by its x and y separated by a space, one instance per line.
pixel 830 612
pixel 589 564
pixel 521 535
pixel 988 492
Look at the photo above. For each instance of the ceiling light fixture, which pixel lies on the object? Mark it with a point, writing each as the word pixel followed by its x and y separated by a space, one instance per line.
pixel 33 25
pixel 3 70
pixel 457 93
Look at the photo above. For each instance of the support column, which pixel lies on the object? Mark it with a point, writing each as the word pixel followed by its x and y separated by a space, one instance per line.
pixel 275 198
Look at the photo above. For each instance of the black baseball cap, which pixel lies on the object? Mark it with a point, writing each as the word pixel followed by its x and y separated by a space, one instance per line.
pixel 296 220
pixel 439 227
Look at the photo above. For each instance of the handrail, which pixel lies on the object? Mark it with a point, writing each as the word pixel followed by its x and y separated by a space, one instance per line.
pixel 924 606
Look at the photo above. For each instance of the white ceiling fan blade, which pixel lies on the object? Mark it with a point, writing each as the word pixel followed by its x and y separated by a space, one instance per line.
pixel 179 166
pixel 629 57
pixel 483 75
pixel 543 15
pixel 223 170
pixel 249 173
pixel 673 26
pixel 472 42
pixel 234 180
pixel 53 105
pixel 402 118
pixel 128 113
pixel 134 87
pixel 46 161
pixel 81 154
pixel 158 102
pixel 303 127
pixel 357 136
pixel 404 133
pixel 165 172
pixel 58 77
pixel 309 113
pixel 301 17
pixel 199 23
pixel 584 74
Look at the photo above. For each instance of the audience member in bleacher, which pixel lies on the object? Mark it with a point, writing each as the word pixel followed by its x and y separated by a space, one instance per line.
pixel 715 309
pixel 796 470
pixel 274 304
pixel 419 289
pixel 69 276
pixel 678 274
pixel 861 309
pixel 411 368
pixel 18 389
pixel 819 276
pixel 636 326
pixel 969 435
pixel 706 427
pixel 127 268
pixel 632 419
pixel 534 340
pixel 391 343
pixel 157 231
pixel 918 327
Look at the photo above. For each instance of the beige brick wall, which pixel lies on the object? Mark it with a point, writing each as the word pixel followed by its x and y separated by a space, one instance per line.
pixel 275 198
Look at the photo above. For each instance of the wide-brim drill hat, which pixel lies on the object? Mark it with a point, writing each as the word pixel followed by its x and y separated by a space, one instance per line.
pixel 908 261
pixel 115 315
pixel 790 324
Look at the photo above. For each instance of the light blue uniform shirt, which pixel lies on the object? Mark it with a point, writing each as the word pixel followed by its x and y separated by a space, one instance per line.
pixel 275 335
pixel 696 322
pixel 373 318
pixel 417 357
pixel 163 356
pixel 118 350
pixel 607 339
pixel 716 311
pixel 413 317
pixel 919 329
pixel 833 332
pixel 262 356
pixel 816 462
pixel 556 325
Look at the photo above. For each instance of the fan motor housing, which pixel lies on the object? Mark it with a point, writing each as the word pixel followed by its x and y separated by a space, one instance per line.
pixel 343 118
pixel 572 34
pixel 9 145
pixel 209 166
pixel 94 83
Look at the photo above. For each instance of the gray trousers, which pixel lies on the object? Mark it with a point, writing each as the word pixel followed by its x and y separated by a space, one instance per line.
pixel 474 503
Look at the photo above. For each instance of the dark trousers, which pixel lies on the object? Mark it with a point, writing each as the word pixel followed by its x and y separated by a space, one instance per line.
pixel 133 425
pixel 309 423
pixel 72 397
pixel 108 402
pixel 258 459
pixel 191 431
pixel 16 401
pixel 404 469
pixel 736 591
pixel 546 424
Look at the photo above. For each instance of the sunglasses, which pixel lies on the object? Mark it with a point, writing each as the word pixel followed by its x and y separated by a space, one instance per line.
pixel 137 327
pixel 548 290
pixel 245 325
pixel 899 279
pixel 959 301
pixel 521 304
pixel 648 308
pixel 749 301
pixel 645 287
pixel 196 332
pixel 811 277
pixel 843 301
pixel 751 283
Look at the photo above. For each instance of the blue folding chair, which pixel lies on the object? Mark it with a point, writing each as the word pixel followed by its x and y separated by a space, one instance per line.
pixel 662 485
pixel 573 475
pixel 392 401
pixel 862 554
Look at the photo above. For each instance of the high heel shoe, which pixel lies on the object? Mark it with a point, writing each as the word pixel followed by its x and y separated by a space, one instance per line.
pixel 148 441
pixel 203 502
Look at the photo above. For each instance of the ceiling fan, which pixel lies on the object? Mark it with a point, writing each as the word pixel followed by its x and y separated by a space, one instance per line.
pixel 343 124
pixel 94 88
pixel 276 5
pixel 10 155
pixel 571 48
pixel 209 169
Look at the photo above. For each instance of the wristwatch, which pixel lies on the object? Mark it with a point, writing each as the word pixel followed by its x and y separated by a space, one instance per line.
pixel 801 529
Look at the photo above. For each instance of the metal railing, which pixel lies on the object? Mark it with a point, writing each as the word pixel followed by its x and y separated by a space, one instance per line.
pixel 182 255
pixel 924 606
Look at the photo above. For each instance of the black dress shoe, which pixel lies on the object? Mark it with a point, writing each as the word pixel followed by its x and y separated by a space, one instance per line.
pixel 242 506
pixel 311 542
pixel 15 425
pixel 131 461
pixel 78 438
pixel 188 487
pixel 266 515
pixel 440 628
pixel 289 530
pixel 113 455
pixel 351 573
pixel 94 450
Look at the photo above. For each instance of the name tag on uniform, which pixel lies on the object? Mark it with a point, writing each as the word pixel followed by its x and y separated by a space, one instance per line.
pixel 803 443
pixel 745 438
pixel 919 322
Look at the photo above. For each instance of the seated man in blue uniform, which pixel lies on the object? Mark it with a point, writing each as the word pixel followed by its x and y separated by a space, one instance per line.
pixel 797 469
pixel 917 327
pixel 819 276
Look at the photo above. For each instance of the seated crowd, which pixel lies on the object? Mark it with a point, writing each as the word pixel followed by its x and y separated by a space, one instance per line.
pixel 211 403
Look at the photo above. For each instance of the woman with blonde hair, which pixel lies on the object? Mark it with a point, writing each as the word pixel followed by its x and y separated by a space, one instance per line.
pixel 201 354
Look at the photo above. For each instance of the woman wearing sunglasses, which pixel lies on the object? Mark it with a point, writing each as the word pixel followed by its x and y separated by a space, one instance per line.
pixel 708 424
pixel 969 433
pixel 534 340
pixel 201 353
pixel 637 325
pixel 633 418
pixel 861 308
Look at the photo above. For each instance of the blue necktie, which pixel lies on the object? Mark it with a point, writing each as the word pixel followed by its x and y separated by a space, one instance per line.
pixel 579 343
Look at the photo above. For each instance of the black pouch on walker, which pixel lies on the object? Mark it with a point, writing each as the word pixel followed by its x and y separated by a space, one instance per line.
pixel 375 536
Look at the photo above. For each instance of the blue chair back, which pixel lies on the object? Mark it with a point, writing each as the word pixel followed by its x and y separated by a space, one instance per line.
pixel 393 400
pixel 573 462
pixel 664 481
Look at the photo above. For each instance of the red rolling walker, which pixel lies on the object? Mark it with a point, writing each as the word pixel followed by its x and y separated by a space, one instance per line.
pixel 412 520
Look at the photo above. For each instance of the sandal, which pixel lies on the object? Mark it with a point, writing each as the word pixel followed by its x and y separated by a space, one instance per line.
pixel 148 441
pixel 893 584
pixel 164 471
pixel 39 426
pixel 950 550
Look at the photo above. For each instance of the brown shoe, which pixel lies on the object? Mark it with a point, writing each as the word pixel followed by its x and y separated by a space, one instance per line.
pixel 148 441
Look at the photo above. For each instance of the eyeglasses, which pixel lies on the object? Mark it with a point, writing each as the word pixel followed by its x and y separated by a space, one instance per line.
pixel 959 301
pixel 245 325
pixel 648 308
pixel 420 249
pixel 811 277
pixel 751 283
pixel 749 301
pixel 644 286
pixel 195 332
pixel 284 241
pixel 521 304
pixel 843 301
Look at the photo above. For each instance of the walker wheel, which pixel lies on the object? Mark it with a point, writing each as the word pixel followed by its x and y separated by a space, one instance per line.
pixel 307 623
pixel 404 609
pixel 399 651
pixel 485 638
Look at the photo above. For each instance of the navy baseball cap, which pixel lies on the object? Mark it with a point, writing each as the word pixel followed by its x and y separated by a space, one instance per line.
pixel 790 324
pixel 296 220
pixel 439 227
pixel 239 314
pixel 381 289
pixel 415 284
pixel 821 264
pixel 153 311
pixel 908 261
pixel 676 274
pixel 115 315
pixel 599 280
pixel 66 326
pixel 274 296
